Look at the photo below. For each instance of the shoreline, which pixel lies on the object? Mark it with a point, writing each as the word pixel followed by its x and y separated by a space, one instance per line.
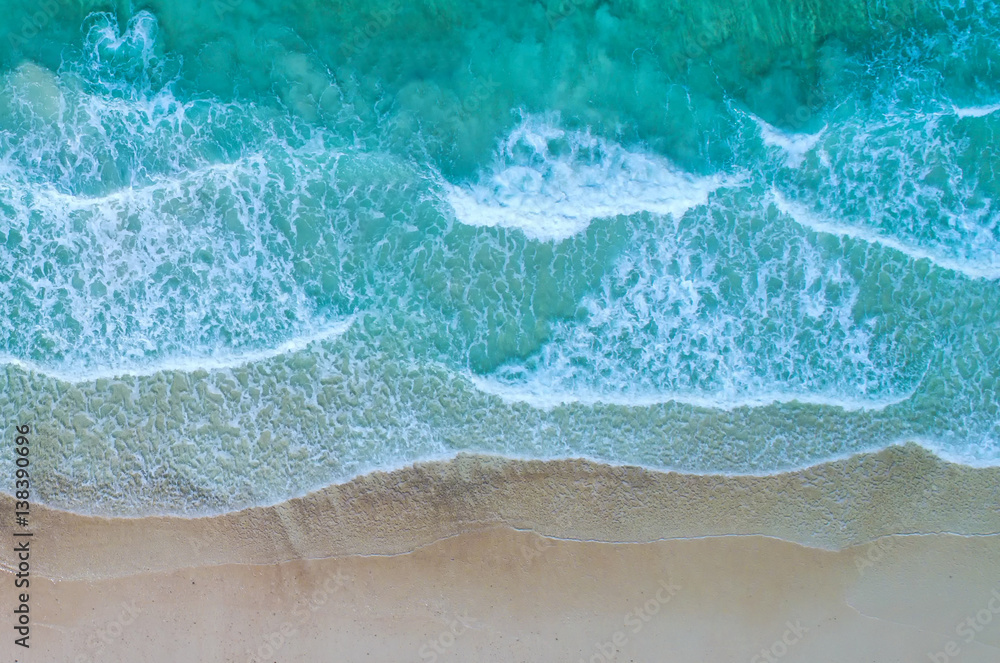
pixel 901 490
pixel 917 449
pixel 488 559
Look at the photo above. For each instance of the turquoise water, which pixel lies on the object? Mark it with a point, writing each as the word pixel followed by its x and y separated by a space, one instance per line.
pixel 248 249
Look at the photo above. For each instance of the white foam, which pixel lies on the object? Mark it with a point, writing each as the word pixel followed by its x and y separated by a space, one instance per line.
pixel 541 395
pixel 976 111
pixel 50 198
pixel 795 146
pixel 984 453
pixel 552 196
pixel 174 253
pixel 187 364
pixel 666 324
pixel 808 219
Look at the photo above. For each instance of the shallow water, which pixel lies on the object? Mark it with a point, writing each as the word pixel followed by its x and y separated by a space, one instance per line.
pixel 253 248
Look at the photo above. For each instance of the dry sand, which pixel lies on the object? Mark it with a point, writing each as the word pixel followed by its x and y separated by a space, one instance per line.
pixel 503 595
pixel 445 562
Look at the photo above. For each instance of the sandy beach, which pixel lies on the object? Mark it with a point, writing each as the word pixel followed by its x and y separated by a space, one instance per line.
pixel 881 557
pixel 503 595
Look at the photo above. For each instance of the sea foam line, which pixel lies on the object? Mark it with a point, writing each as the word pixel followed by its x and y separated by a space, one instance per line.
pixel 542 398
pixel 976 111
pixel 185 364
pixel 807 219
pixel 555 196
pixel 390 467
pixel 51 196
pixel 795 146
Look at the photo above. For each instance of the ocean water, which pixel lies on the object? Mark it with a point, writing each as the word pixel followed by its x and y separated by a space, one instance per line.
pixel 250 248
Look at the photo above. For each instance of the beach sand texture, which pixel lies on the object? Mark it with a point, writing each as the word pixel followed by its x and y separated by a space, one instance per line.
pixel 881 557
